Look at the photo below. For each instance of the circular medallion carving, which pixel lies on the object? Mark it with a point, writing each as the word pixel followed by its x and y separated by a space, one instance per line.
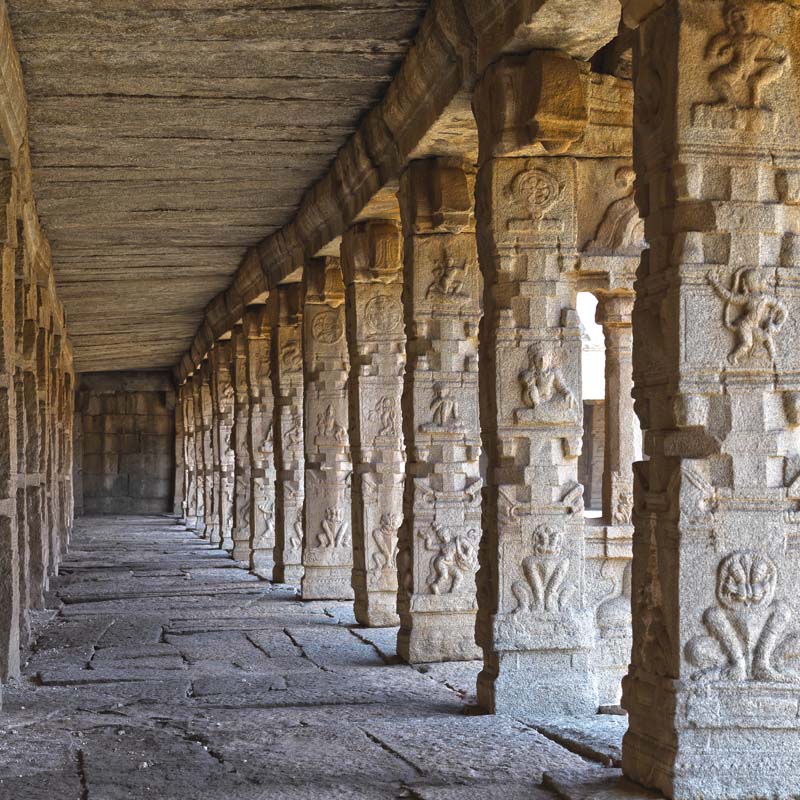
pixel 383 314
pixel 327 327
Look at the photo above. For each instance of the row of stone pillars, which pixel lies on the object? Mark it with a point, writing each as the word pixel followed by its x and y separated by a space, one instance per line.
pixel 36 423
pixel 483 334
pixel 403 427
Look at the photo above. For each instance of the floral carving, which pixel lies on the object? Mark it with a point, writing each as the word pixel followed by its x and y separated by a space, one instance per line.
pixel 748 629
pixel 327 327
pixel 539 189
pixel 383 314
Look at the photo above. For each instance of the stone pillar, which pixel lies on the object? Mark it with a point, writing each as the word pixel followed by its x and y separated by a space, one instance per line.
pixel 372 266
pixel 534 627
pixel 9 553
pixel 614 314
pixel 186 395
pixel 439 538
pixel 241 417
pixel 258 341
pixel 285 306
pixel 43 387
pixel 200 455
pixel 713 688
pixel 210 501
pixel 224 458
pixel 178 496
pixel 327 545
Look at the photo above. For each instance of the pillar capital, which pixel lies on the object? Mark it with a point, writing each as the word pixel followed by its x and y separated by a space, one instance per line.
pixel 532 104
pixel 372 252
pixel 323 281
pixel 614 309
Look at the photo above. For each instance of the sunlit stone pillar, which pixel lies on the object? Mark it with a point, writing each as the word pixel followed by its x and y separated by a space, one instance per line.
pixel 372 266
pixel 178 498
pixel 186 396
pixel 241 450
pixel 258 342
pixel 285 308
pixel 442 291
pixel 199 451
pixel 9 552
pixel 328 543
pixel 210 501
pixel 713 689
pixel 224 458
pixel 534 627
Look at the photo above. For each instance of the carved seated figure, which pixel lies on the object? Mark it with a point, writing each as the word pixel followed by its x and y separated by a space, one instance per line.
pixel 749 637
pixel 545 573
pixel 444 411
pixel 335 530
pixel 544 391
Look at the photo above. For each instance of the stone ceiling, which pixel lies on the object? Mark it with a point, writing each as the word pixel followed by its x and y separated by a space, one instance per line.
pixel 169 135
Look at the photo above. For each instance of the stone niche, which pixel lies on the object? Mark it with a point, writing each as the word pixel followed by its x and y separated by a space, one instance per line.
pixel 127 422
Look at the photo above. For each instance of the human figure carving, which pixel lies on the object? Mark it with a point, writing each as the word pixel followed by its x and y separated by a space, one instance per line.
pixel 444 408
pixel 329 428
pixel 751 60
pixel 335 530
pixel 385 539
pixel 448 281
pixel 456 557
pixel 748 629
pixel 294 434
pixel 545 573
pixel 385 412
pixel 542 382
pixel 621 229
pixel 763 314
pixel 296 536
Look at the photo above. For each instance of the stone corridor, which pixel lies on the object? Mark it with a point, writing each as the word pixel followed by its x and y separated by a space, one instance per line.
pixel 169 671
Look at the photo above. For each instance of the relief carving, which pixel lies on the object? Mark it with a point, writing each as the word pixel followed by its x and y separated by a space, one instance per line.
pixel 329 428
pixel 296 536
pixel 762 313
pixel 749 630
pixel 444 410
pixel 573 498
pixel 383 314
pixel 622 229
pixel 448 282
pixel 293 435
pixel 456 557
pixel 545 574
pixel 385 412
pixel 540 190
pixel 327 327
pixel 385 540
pixel 544 391
pixel 335 529
pixel 292 356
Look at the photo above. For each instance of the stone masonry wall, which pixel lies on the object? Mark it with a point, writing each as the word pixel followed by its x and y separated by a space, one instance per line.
pixel 128 435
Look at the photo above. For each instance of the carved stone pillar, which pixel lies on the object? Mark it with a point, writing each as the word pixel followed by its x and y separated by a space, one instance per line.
pixel 224 458
pixel 285 308
pixel 258 341
pixel 534 626
pixel 713 689
pixel 210 501
pixel 186 399
pixel 43 387
pixel 178 498
pixel 9 553
pixel 241 450
pixel 199 451
pixel 327 545
pixel 442 291
pixel 372 266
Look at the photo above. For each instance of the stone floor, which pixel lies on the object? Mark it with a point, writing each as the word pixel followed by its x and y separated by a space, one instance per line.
pixel 168 671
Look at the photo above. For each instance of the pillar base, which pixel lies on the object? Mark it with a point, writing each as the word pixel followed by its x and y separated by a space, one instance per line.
pixel 226 544
pixel 326 583
pixel 212 534
pixel 262 564
pixel 439 637
pixel 241 552
pixel 377 610
pixel 533 686
pixel 290 574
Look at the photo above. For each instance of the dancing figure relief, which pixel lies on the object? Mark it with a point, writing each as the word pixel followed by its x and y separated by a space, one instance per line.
pixel 762 315
pixel 456 557
pixel 748 630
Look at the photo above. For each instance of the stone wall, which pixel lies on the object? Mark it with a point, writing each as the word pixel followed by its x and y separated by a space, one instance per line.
pixel 127 424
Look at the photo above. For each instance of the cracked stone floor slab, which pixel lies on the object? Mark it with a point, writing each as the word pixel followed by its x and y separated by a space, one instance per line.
pixel 169 671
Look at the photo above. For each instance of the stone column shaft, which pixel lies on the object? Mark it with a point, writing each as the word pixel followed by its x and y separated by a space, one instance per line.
pixel 372 265
pixel 327 545
pixel 713 688
pixel 534 627
pixel 224 457
pixel 442 294
pixel 199 445
pixel 210 502
pixel 285 306
pixel 241 414
pixel 258 343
